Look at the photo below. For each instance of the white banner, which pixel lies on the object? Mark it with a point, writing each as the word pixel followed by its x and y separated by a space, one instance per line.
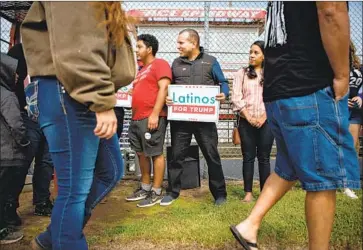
pixel 193 103
pixel 235 13
pixel 123 97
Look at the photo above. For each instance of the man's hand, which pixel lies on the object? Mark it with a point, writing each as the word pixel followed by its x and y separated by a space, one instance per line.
pixel 168 100
pixel 341 87
pixel 106 124
pixel 153 122
pixel 129 92
pixel 220 97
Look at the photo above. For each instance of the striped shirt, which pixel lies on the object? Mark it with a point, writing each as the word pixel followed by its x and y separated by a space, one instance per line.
pixel 249 95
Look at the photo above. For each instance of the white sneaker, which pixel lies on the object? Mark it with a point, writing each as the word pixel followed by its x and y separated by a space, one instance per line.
pixel 350 193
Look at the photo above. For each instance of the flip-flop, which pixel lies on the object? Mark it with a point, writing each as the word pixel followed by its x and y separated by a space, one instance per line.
pixel 244 243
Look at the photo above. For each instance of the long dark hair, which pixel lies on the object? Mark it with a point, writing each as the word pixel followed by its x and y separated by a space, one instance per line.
pixel 250 70
pixel 354 61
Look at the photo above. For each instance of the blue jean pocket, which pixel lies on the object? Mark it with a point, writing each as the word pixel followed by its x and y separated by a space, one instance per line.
pixel 31 93
pixel 299 111
pixel 341 106
pixel 330 92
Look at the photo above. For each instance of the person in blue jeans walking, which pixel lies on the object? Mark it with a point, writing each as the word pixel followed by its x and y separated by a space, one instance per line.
pixel 78 55
pixel 306 98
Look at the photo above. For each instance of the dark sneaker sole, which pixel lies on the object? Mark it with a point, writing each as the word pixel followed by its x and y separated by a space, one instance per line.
pixel 150 204
pixel 136 199
pixel 5 242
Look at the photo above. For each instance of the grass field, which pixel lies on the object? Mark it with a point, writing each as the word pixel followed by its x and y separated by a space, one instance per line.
pixel 193 222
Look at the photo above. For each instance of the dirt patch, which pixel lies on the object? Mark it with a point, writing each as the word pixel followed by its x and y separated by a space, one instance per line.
pixel 114 208
pixel 144 245
pixel 108 211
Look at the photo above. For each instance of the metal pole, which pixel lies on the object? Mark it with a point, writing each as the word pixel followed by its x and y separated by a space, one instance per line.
pixel 206 26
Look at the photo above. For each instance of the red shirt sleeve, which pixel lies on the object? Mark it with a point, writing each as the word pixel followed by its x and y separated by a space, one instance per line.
pixel 162 70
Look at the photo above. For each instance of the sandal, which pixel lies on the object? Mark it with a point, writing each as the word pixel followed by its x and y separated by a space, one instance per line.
pixel 244 243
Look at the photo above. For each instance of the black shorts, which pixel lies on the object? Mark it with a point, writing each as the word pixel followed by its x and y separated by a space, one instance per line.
pixel 140 143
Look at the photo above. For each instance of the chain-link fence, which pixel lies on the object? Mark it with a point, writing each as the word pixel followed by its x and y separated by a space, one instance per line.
pixel 226 28
pixel 5 35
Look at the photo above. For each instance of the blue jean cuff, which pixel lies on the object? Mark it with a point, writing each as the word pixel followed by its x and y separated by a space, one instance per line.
pixel 331 185
pixel 42 243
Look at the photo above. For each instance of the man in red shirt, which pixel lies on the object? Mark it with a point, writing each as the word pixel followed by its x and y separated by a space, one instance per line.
pixel 148 125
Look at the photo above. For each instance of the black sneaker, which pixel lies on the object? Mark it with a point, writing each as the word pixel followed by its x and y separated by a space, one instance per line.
pixel 151 199
pixel 139 194
pixel 9 236
pixel 11 217
pixel 220 201
pixel 44 209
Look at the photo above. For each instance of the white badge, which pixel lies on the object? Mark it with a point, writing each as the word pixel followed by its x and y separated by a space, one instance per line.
pixel 147 136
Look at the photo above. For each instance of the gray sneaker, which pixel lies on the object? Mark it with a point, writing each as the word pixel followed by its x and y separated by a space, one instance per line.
pixel 220 201
pixel 9 236
pixel 151 199
pixel 139 194
pixel 167 200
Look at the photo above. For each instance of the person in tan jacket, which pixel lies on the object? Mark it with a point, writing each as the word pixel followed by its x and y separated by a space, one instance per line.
pixel 78 54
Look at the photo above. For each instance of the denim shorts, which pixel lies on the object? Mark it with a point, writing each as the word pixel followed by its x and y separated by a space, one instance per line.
pixel 355 116
pixel 313 141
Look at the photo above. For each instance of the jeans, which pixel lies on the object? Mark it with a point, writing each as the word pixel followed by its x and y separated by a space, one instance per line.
pixel 313 141
pixel 255 142
pixel 206 135
pixel 6 177
pixel 43 168
pixel 87 167
pixel 355 116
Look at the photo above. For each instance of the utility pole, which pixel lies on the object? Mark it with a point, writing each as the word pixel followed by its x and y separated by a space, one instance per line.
pixel 206 25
